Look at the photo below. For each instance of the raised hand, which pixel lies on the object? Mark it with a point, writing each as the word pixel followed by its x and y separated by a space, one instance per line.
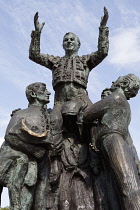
pixel 38 26
pixel 104 19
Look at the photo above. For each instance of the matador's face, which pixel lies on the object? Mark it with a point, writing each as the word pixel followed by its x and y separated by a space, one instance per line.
pixel 71 43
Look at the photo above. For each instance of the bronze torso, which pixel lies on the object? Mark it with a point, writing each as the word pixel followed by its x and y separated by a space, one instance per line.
pixel 70 70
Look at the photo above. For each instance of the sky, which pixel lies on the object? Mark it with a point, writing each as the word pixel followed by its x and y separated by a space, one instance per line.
pixel 81 17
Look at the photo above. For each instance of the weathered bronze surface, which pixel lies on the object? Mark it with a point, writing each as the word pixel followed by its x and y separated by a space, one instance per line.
pixel 79 155
pixel 24 163
pixel 70 76
pixel 112 139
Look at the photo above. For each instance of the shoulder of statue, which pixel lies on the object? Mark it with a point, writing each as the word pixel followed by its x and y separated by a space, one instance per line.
pixel 15 111
pixel 23 113
pixel 53 59
pixel 18 113
pixel 118 96
pixel 83 57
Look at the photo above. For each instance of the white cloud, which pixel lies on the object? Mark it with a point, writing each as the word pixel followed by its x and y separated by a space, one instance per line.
pixel 4 117
pixel 124 39
pixel 1 140
pixel 95 86
pixel 4 198
pixel 129 14
pixel 4 120
pixel 125 47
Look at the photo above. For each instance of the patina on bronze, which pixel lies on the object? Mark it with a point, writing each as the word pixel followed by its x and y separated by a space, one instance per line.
pixel 114 141
pixel 79 155
pixel 70 76
pixel 70 72
pixel 24 163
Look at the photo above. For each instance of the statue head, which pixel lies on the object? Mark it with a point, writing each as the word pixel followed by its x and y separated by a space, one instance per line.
pixel 37 93
pixel 129 83
pixel 71 43
pixel 106 92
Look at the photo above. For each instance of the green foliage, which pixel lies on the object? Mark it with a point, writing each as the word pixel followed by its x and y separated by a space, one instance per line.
pixel 5 208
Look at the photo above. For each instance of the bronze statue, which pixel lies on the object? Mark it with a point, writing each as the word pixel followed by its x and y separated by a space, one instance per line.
pixel 114 114
pixel 24 163
pixel 79 155
pixel 70 72
pixel 83 176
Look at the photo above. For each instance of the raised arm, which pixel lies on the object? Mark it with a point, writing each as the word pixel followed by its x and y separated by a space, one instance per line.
pixel 34 50
pixel 103 43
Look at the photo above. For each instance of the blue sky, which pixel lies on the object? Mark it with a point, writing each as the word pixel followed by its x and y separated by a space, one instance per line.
pixel 81 17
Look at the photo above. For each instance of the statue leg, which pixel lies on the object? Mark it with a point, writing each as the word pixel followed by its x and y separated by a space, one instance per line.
pixel 64 191
pixel 16 180
pixel 56 122
pixel 118 157
pixel 28 188
pixel 75 192
pixel 42 186
pixel 27 195
pixel 82 194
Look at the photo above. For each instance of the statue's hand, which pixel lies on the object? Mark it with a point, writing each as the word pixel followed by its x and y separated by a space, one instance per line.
pixel 38 26
pixel 104 19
